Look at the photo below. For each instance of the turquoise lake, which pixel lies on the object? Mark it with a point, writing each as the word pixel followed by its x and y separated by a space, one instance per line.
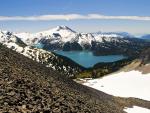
pixel 87 59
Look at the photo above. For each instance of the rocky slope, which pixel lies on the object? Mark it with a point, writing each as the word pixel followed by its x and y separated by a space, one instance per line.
pixel 26 86
pixel 145 56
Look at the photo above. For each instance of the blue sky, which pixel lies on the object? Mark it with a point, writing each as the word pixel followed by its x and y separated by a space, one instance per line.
pixel 83 21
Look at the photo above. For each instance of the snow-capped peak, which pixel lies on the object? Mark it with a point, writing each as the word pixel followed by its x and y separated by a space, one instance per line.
pixel 59 35
pixel 65 33
pixel 116 34
pixel 58 28
pixel 6 36
pixel 5 32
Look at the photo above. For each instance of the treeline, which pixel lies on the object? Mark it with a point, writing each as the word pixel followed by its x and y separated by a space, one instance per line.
pixel 102 69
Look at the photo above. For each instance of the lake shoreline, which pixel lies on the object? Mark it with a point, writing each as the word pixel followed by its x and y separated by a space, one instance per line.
pixel 87 59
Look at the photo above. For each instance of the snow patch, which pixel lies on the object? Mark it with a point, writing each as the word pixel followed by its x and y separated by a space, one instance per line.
pixel 137 109
pixel 124 84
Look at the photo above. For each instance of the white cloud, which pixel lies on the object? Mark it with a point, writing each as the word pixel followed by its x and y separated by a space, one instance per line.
pixel 72 17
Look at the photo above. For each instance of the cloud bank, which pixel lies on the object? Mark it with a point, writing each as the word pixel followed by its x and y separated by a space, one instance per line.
pixel 72 17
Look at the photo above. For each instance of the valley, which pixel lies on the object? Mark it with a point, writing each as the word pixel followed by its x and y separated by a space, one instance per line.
pixel 74 63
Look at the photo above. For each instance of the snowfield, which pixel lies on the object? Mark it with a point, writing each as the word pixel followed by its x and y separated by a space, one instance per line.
pixel 123 84
pixel 65 34
pixel 137 109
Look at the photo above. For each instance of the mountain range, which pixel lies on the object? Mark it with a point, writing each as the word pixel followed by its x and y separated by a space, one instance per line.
pixel 66 39
pixel 57 62
pixel 35 46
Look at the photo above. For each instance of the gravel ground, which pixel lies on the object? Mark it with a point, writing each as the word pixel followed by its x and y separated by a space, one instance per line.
pixel 26 86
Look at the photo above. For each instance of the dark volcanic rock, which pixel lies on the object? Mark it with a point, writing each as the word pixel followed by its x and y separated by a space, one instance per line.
pixel 74 46
pixel 145 56
pixel 27 86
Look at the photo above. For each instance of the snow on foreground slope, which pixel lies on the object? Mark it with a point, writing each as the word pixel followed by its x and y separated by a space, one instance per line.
pixel 124 84
pixel 137 109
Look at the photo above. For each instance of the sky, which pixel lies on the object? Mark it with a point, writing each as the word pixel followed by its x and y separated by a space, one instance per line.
pixel 131 16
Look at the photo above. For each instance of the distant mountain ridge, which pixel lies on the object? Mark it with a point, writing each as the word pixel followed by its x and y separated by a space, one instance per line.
pixel 66 39
pixel 147 37
pixel 65 34
pixel 121 34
